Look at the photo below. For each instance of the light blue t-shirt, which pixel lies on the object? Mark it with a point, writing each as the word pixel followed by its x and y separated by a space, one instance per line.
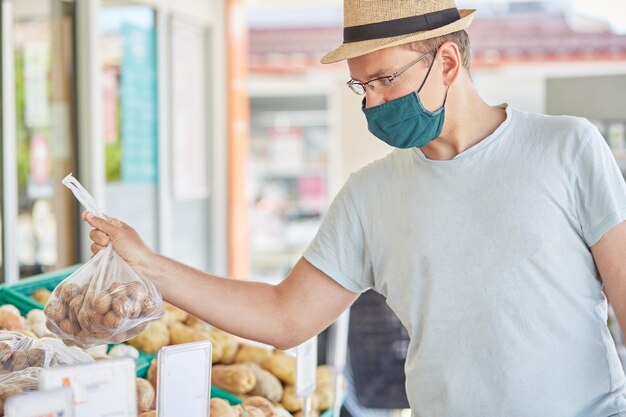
pixel 485 259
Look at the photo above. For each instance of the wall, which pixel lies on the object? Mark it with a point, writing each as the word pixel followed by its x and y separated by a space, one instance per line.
pixel 602 98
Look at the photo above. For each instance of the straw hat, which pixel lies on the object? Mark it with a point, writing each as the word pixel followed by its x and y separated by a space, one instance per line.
pixel 370 25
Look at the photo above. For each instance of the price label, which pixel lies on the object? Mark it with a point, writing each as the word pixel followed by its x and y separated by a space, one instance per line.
pixel 100 389
pixel 184 380
pixel 54 403
pixel 306 365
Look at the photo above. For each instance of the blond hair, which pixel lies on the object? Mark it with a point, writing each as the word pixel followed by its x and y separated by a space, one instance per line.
pixel 460 38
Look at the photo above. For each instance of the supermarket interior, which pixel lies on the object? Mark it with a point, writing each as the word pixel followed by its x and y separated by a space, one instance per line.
pixel 213 130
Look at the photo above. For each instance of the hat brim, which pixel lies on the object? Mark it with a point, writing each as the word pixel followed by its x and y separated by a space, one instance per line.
pixel 354 49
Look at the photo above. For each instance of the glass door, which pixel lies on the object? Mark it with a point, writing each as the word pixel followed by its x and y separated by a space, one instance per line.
pixel 45 133
pixel 127 43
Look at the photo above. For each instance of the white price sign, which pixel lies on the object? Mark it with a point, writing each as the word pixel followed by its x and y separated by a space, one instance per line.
pixel 54 403
pixel 306 365
pixel 184 380
pixel 101 389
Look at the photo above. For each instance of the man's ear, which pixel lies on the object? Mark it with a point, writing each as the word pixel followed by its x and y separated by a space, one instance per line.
pixel 452 61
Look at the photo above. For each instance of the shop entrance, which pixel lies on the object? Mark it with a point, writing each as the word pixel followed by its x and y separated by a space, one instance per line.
pixel 39 135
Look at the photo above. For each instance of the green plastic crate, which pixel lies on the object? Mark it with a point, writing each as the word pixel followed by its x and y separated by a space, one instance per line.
pixel 234 400
pixel 22 289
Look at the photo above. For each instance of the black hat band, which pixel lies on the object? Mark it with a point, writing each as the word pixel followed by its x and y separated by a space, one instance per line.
pixel 402 26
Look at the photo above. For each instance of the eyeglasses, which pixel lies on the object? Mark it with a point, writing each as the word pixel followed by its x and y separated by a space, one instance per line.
pixel 381 83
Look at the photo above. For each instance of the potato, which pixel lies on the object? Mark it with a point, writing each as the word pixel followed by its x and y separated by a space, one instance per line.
pixel 152 373
pixel 221 408
pixel 68 291
pixel 292 402
pixel 325 375
pixel 145 395
pixel 325 395
pixel 35 316
pixel 267 385
pixel 69 327
pixel 261 403
pixel 116 289
pixel 41 296
pixel 152 339
pixel 251 353
pixel 174 314
pixel 111 320
pixel 229 344
pixel 196 323
pixel 27 332
pixel 11 321
pixel 180 333
pixel 236 379
pixel 314 413
pixel 76 303
pixel 252 412
pixel 7 391
pixel 56 310
pixel 123 306
pixel 325 389
pixel 281 365
pixel 102 303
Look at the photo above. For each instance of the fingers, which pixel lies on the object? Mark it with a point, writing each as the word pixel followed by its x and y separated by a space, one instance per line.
pixel 99 237
pixel 95 248
pixel 109 225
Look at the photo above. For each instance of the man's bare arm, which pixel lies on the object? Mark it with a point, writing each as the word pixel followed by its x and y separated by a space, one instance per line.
pixel 609 255
pixel 283 315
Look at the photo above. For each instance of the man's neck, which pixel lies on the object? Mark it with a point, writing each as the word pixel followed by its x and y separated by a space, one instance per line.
pixel 468 120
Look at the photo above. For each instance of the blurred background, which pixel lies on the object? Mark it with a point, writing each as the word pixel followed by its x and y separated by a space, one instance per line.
pixel 211 127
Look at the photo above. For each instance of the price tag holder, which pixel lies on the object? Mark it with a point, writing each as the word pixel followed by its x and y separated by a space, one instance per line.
pixel 54 403
pixel 184 380
pixel 306 367
pixel 100 389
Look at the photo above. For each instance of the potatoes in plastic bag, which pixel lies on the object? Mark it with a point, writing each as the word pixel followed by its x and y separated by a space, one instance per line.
pixel 17 383
pixel 19 352
pixel 104 301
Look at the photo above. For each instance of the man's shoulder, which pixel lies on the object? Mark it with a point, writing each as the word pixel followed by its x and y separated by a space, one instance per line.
pixel 560 125
pixel 382 168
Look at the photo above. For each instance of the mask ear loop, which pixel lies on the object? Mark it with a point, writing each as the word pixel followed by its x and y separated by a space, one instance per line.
pixel 427 73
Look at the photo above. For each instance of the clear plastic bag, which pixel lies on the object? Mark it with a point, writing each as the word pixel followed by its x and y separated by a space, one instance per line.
pixel 18 352
pixel 17 383
pixel 104 301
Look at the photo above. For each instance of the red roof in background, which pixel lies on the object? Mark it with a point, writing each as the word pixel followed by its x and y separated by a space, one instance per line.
pixel 495 41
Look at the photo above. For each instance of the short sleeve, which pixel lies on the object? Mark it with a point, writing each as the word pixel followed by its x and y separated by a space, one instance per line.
pixel 599 188
pixel 339 249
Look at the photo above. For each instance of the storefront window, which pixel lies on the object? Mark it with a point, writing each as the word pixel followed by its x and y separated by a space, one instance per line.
pixel 46 144
pixel 130 105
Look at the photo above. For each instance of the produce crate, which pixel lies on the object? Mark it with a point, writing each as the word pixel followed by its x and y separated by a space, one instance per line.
pixel 224 395
pixel 22 289
pixel 234 400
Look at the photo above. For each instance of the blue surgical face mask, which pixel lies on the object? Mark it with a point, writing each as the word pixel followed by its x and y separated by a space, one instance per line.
pixel 404 122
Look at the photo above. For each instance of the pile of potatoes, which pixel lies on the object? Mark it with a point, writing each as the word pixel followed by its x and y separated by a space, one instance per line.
pixel 87 317
pixel 245 370
pixel 272 375
pixel 18 352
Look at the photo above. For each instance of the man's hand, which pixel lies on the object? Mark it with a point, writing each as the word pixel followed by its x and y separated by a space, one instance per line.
pixel 124 238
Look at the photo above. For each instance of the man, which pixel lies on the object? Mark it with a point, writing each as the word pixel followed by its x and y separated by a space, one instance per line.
pixel 491 232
